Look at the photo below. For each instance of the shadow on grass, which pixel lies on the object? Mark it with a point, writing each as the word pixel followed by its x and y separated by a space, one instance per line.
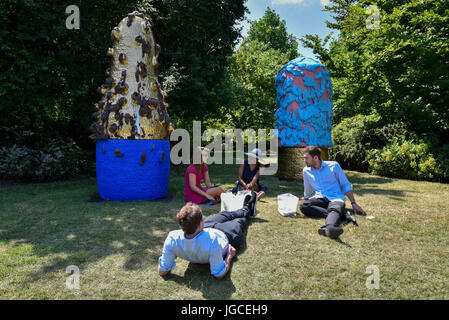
pixel 361 190
pixel 338 240
pixel 64 229
pixel 139 240
pixel 197 277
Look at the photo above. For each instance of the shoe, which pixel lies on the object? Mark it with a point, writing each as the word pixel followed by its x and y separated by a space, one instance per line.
pixel 250 201
pixel 247 200
pixel 260 194
pixel 349 218
pixel 331 232
pixel 322 231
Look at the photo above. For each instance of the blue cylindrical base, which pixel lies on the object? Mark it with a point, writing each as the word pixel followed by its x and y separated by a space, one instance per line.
pixel 129 170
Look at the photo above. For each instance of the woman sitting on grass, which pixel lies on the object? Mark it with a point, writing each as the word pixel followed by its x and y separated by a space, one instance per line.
pixel 249 174
pixel 193 191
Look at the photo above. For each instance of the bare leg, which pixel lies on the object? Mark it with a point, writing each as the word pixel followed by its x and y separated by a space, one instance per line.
pixel 216 192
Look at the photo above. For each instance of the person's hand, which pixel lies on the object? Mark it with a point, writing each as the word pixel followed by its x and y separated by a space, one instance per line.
pixel 208 196
pixel 245 186
pixel 358 209
pixel 231 251
pixel 250 186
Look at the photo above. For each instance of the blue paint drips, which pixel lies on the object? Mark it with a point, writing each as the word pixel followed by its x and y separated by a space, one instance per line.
pixel 303 115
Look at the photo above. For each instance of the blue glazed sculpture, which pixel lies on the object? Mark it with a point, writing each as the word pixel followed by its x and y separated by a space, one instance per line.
pixel 304 105
pixel 133 127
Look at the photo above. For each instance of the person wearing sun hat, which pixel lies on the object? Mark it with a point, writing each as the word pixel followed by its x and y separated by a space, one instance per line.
pixel 249 173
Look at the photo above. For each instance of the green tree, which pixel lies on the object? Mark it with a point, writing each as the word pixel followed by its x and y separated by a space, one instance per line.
pixel 398 69
pixel 270 29
pixel 252 71
pixel 197 37
pixel 49 74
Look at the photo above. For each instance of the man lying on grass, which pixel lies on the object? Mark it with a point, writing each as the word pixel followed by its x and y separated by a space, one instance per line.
pixel 325 187
pixel 214 240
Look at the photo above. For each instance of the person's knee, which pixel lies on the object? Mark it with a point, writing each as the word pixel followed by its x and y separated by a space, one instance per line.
pixel 236 241
pixel 336 207
pixel 304 207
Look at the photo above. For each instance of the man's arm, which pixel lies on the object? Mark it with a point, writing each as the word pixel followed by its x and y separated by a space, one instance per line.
pixel 308 189
pixel 230 255
pixel 347 189
pixel 167 260
pixel 354 204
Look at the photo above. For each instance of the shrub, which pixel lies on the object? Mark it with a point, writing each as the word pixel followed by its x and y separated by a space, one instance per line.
pixel 442 155
pixel 60 158
pixel 405 159
pixel 355 136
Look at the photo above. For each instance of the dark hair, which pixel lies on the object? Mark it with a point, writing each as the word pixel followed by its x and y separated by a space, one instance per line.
pixel 313 151
pixel 189 217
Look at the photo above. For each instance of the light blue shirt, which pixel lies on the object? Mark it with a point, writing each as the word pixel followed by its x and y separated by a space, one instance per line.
pixel 329 181
pixel 208 246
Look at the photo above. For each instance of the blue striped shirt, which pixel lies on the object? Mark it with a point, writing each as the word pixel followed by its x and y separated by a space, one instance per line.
pixel 329 181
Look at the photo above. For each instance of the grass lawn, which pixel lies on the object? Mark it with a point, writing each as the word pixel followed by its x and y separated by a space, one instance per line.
pixel 46 227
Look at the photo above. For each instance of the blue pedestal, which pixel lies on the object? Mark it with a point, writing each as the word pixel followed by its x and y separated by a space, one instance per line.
pixel 129 170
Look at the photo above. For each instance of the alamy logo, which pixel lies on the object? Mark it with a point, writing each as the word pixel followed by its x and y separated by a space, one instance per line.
pixel 372 282
pixel 72 21
pixel 373 20
pixel 180 152
pixel 73 281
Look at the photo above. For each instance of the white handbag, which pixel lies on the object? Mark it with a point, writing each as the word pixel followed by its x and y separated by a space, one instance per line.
pixel 231 202
pixel 287 205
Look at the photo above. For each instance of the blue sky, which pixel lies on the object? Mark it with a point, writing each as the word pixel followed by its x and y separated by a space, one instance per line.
pixel 301 16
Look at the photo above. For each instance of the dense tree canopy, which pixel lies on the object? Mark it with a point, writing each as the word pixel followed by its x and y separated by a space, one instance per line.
pixel 197 37
pixel 398 69
pixel 390 73
pixel 390 60
pixel 49 74
pixel 270 29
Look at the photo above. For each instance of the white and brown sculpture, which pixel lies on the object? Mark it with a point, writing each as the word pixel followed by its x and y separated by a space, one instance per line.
pixel 132 125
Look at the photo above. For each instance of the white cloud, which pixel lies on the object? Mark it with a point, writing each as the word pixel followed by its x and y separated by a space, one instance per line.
pixel 278 2
pixel 281 2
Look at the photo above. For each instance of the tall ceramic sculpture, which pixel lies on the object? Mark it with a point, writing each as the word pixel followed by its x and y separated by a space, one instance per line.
pixel 133 127
pixel 304 112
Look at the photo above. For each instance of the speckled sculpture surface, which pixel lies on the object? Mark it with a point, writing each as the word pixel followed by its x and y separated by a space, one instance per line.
pixel 133 104
pixel 304 105
pixel 132 125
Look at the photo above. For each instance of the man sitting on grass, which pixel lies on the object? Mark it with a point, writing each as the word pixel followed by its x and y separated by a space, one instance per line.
pixel 325 187
pixel 212 241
